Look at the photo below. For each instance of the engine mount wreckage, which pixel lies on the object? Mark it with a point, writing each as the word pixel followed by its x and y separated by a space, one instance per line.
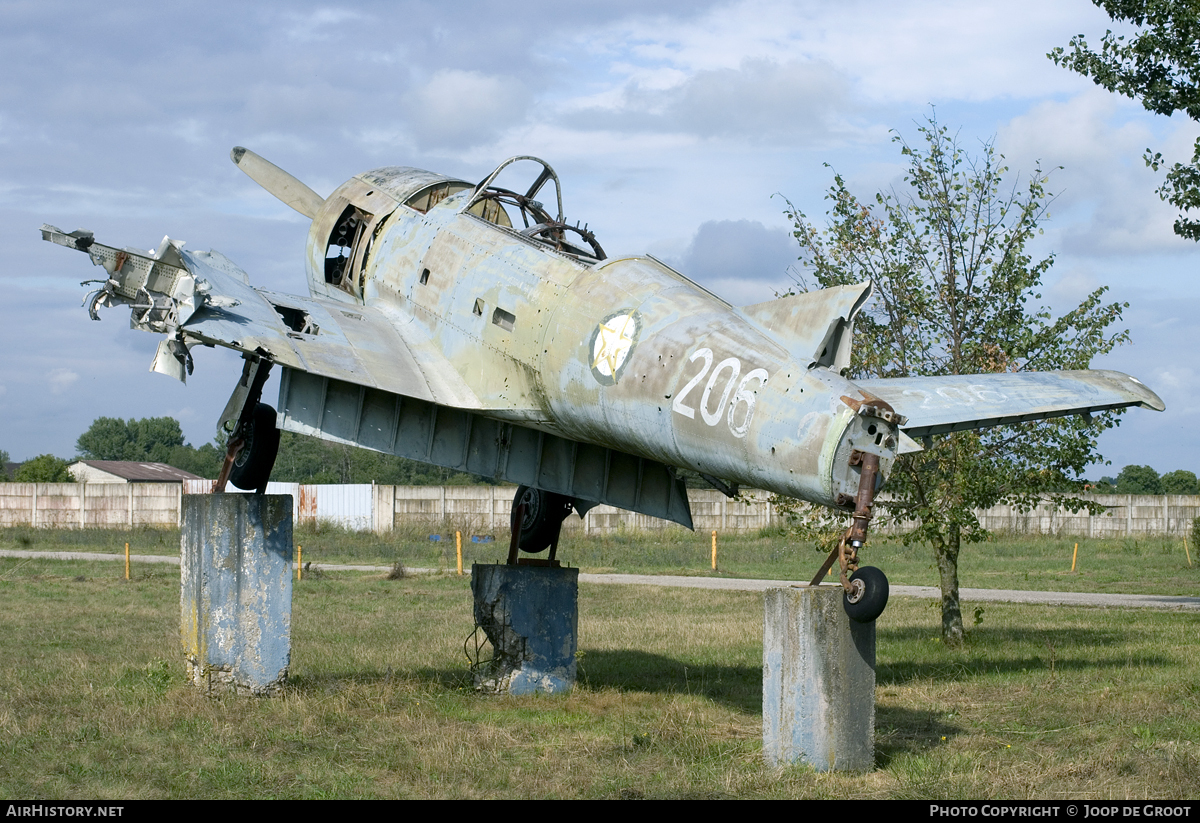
pixel 471 327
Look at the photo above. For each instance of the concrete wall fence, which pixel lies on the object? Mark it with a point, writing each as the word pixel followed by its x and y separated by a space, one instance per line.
pixel 485 509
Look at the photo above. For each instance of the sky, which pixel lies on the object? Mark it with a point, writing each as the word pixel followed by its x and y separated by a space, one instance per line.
pixel 681 129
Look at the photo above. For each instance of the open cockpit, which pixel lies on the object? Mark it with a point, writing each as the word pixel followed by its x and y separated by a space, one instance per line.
pixel 498 205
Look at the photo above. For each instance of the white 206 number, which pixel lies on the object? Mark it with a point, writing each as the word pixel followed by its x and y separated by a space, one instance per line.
pixel 714 401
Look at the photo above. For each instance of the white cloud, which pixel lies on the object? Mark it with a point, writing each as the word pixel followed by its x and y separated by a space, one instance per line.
pixel 60 380
pixel 1104 187
pixel 759 100
pixel 741 260
pixel 914 52
pixel 319 24
pixel 458 109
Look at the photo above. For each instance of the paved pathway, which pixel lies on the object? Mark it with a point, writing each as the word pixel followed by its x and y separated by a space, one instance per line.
pixel 1130 601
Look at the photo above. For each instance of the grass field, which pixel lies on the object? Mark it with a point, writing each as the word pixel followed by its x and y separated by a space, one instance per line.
pixel 1042 703
pixel 1137 566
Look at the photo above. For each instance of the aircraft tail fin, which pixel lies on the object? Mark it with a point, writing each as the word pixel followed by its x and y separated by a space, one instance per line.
pixel 816 327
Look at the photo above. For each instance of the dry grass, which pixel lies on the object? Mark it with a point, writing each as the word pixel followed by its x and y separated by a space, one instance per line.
pixel 1044 702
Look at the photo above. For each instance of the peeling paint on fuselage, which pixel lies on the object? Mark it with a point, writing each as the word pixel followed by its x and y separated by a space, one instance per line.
pixel 450 272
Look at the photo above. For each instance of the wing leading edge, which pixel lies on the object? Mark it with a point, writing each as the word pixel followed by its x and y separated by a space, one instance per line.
pixel 940 405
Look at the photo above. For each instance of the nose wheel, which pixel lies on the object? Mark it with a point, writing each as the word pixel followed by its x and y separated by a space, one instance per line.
pixel 865 589
pixel 867 595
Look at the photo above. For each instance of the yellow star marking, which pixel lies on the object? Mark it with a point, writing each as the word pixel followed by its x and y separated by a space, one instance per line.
pixel 613 343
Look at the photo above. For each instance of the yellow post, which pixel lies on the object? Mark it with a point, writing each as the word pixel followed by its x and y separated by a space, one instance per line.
pixel 127 561
pixel 458 549
pixel 1188 553
pixel 714 550
pixel 1074 555
pixel 299 559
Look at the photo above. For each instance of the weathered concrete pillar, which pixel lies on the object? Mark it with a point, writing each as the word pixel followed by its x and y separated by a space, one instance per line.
pixel 818 681
pixel 530 615
pixel 236 591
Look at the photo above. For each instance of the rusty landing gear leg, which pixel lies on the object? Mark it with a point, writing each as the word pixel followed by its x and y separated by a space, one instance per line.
pixel 252 448
pixel 866 588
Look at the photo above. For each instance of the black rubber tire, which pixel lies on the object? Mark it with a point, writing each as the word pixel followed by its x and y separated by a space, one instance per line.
pixel 873 598
pixel 252 467
pixel 544 514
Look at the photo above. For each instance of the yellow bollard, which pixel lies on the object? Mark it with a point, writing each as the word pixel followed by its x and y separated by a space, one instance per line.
pixel 299 559
pixel 1074 555
pixel 458 549
pixel 714 550
pixel 127 561
pixel 1188 553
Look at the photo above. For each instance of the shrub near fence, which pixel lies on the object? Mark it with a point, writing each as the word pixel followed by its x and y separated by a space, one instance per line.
pixel 486 509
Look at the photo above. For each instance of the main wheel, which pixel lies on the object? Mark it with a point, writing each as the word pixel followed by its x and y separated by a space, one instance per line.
pixel 252 467
pixel 544 514
pixel 868 595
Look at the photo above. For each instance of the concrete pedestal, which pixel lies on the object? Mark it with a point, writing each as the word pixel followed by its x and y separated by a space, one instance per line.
pixel 818 681
pixel 236 591
pixel 530 615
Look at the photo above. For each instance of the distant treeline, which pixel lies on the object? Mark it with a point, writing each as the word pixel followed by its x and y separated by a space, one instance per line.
pixel 301 459
pixel 1145 480
pixel 309 460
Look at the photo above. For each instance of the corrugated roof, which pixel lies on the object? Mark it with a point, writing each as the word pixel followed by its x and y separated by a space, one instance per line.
pixel 136 472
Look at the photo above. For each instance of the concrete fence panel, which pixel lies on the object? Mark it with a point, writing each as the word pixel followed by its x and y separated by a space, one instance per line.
pixel 485 510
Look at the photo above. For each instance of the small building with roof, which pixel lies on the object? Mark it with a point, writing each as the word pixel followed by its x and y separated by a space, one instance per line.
pixel 127 471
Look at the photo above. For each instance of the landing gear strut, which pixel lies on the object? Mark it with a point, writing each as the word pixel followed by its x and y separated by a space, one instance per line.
pixel 866 589
pixel 254 443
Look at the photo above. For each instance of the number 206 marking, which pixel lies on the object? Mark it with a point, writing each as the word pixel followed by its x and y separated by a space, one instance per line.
pixel 740 407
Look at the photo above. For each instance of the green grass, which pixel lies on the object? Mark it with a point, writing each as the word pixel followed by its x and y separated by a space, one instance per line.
pixel 1043 702
pixel 1155 565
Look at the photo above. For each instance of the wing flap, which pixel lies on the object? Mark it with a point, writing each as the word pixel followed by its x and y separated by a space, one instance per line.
pixel 939 405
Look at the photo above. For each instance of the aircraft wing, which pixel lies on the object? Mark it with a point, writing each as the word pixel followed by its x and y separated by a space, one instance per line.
pixel 938 405
pixel 203 297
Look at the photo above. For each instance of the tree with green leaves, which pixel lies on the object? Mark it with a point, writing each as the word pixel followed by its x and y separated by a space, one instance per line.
pixel 1138 480
pixel 956 292
pixel 1160 66
pixel 1180 481
pixel 150 439
pixel 311 460
pixel 45 468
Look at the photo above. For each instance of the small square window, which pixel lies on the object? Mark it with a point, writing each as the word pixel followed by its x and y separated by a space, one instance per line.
pixel 478 310
pixel 424 277
pixel 504 319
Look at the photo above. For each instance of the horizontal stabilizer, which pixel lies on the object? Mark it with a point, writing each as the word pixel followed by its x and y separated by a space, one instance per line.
pixel 938 405
pixel 815 327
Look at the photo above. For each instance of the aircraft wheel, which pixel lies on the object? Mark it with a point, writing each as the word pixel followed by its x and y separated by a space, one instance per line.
pixel 252 467
pixel 544 514
pixel 868 595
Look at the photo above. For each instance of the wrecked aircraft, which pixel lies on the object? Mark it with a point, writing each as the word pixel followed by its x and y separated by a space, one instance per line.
pixel 471 326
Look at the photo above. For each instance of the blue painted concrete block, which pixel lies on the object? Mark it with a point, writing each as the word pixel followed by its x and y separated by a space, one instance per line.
pixel 236 591
pixel 530 614
pixel 818 681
